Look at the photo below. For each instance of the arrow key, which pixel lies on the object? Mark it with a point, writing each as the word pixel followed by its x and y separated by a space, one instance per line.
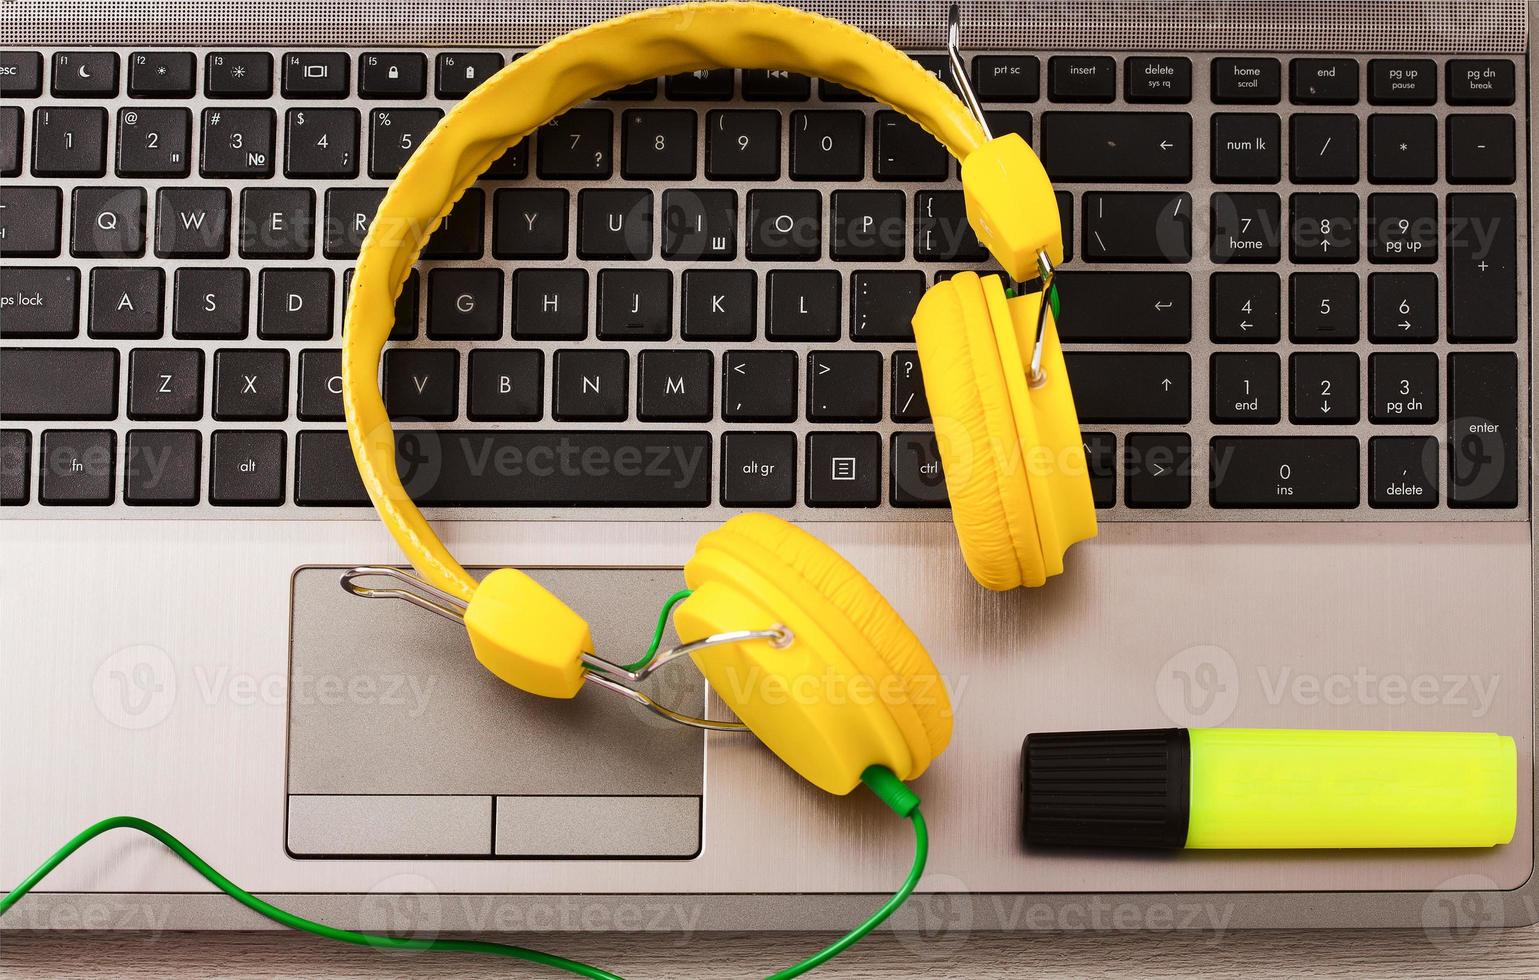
pixel 1324 389
pixel 1157 469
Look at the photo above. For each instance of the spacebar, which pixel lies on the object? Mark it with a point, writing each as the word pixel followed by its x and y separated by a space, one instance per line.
pixel 510 468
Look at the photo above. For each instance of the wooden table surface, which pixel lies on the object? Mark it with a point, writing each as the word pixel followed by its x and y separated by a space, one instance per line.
pixel 982 956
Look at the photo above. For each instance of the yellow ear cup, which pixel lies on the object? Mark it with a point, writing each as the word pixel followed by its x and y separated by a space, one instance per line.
pixel 854 688
pixel 975 431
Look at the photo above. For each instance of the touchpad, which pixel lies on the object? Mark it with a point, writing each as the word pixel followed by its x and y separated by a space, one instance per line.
pixel 401 744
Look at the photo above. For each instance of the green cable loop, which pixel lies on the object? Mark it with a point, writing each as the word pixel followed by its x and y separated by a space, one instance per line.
pixel 660 628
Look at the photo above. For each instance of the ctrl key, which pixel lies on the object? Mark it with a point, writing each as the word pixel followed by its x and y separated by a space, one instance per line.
pixel 77 467
pixel 246 468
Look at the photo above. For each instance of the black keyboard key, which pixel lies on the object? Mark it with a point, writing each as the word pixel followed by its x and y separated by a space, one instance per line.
pixel 394 135
pixel 47 383
pixel 635 304
pixel 238 143
pixel 590 385
pixel 238 75
pixel 320 386
pixel 844 386
pixel 1101 464
pixel 1481 149
pixel 462 235
pixel 785 225
pixel 1130 307
pixel 941 229
pixel 21 74
pixel 775 85
pixel 422 384
pixel 1482 268
pixel 674 386
pixel 529 223
pixel 294 304
pixel 10 140
pixel 246 468
pixel 1402 308
pixel 577 145
pixel 506 386
pixel 909 402
pixel 658 144
pixel 917 479
pixel 160 74
pixel 192 222
pixel 1007 78
pixel 108 222
pixel 758 469
pixel 154 142
pixel 29 221
pixel 15 462
pixel 1323 227
pixel 758 386
pixel 828 145
pixel 1157 470
pixel 85 74
pixel 1403 471
pixel 392 75
pixel 125 302
pixel 903 151
pixel 614 224
pixel 1323 307
pixel 844 469
pixel 1480 81
pixel 165 383
pixel 77 467
pixel 882 305
pixel 674 469
pixel 1245 227
pixel 1137 226
pixel 349 211
pixel 869 226
pixel 459 72
pixel 550 304
pixel 1247 148
pixel 1283 471
pixel 321 143
pixel 315 75
pixel 209 303
pixel 742 144
pixel 1245 388
pixel 699 225
pixel 1403 227
pixel 512 165
pixel 720 305
pixel 277 222
pixel 1483 430
pixel 69 141
pixel 464 304
pixel 644 90
pixel 39 301
pixel 162 468
pixel 1119 387
pixel 1247 80
pixel 1154 147
pixel 1158 80
pixel 1402 149
pixel 1324 389
pixel 701 85
pixel 1324 149
pixel 1245 307
pixel 1080 78
pixel 803 306
pixel 1325 81
pixel 1402 81
pixel 251 384
pixel 1403 388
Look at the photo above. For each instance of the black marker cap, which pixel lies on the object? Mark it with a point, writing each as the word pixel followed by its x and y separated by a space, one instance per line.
pixel 1106 789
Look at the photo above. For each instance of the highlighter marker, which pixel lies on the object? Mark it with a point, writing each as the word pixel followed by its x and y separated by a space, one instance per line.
pixel 1268 788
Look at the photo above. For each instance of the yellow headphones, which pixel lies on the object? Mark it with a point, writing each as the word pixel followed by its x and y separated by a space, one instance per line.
pixel 775 605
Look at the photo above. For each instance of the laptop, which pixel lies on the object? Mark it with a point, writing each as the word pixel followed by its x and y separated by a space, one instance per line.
pixel 1296 311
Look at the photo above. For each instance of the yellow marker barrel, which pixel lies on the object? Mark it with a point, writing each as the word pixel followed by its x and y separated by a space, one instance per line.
pixel 1261 788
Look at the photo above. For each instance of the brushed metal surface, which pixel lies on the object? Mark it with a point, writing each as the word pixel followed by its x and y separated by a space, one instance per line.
pixel 361 826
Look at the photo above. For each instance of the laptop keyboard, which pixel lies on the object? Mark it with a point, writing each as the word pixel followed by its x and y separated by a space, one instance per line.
pixel 1295 286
